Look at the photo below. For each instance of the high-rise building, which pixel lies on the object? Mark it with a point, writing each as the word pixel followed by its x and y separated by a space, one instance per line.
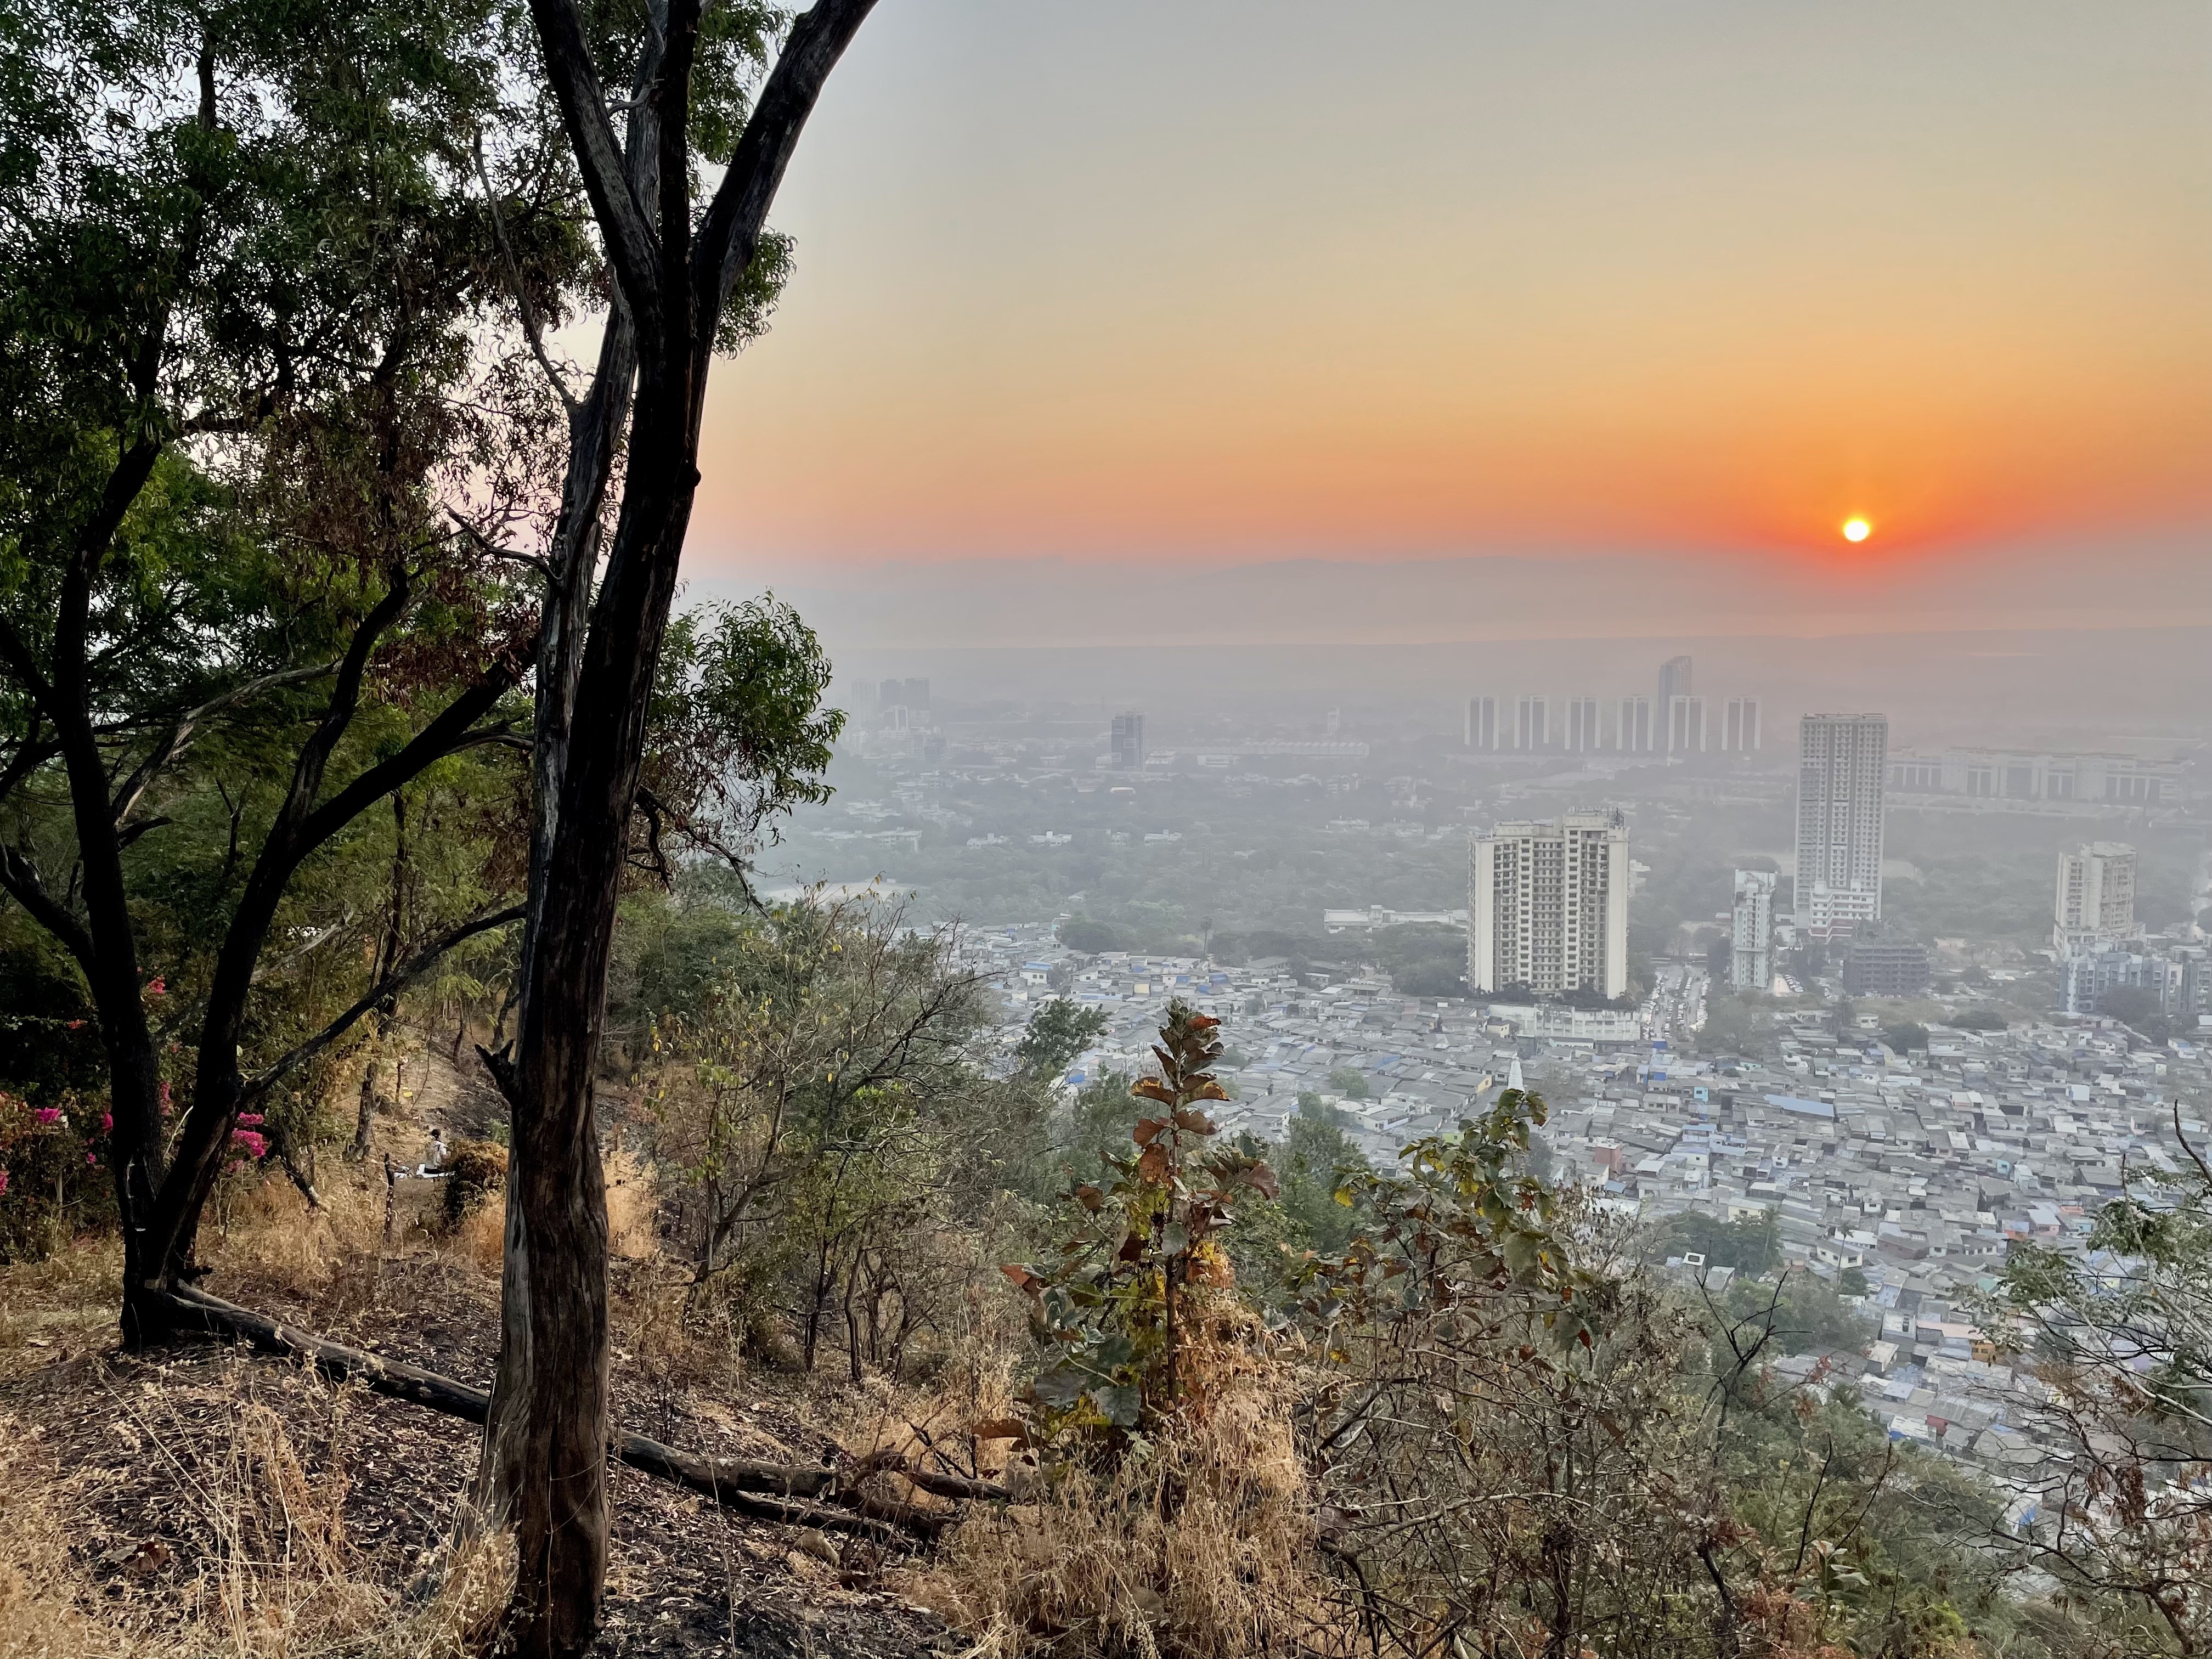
pixel 2096 898
pixel 1740 731
pixel 903 694
pixel 1127 745
pixel 1582 732
pixel 1685 724
pixel 1751 938
pixel 1841 760
pixel 1673 681
pixel 1886 968
pixel 1633 732
pixel 1482 724
pixel 1532 722
pixel 1547 906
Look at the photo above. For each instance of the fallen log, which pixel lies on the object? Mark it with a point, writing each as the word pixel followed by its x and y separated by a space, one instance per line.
pixel 773 1492
pixel 942 1482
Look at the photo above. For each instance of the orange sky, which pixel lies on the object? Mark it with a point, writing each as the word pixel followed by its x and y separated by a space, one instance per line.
pixel 1241 281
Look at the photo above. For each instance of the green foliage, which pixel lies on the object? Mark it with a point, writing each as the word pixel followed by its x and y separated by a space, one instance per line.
pixel 1082 934
pixel 1464 1221
pixel 2138 1006
pixel 1349 1083
pixel 737 735
pixel 1739 1024
pixel 1423 959
pixel 2121 1333
pixel 826 1116
pixel 1057 1032
pixel 1317 1158
pixel 1978 1019
pixel 1099 1121
pixel 1795 1314
pixel 1112 1308
pixel 1905 1038
pixel 1752 1245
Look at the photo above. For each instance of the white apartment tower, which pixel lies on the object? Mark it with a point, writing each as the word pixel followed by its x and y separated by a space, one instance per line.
pixel 1547 906
pixel 1482 724
pixel 1685 724
pixel 1634 730
pixel 1843 761
pixel 2096 899
pixel 1740 731
pixel 1751 939
pixel 1582 732
pixel 1532 722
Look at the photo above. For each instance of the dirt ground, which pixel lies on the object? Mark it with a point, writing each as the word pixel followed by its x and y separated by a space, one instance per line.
pixel 147 1453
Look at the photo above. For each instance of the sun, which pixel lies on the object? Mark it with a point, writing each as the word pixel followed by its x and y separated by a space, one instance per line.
pixel 1856 530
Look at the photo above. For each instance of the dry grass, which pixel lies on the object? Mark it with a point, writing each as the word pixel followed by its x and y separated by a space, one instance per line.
pixel 269 1573
pixel 66 1303
pixel 1199 1545
pixel 265 1231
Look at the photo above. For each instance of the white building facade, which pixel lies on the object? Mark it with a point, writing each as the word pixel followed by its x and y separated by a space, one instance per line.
pixel 1547 906
pixel 1751 937
pixel 2095 903
pixel 1842 766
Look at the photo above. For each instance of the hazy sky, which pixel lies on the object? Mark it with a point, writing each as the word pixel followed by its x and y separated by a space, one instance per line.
pixel 1239 280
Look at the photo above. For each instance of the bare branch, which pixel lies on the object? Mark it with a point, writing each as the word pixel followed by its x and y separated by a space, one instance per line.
pixel 530 324
pixel 21 879
pixel 173 742
pixel 390 985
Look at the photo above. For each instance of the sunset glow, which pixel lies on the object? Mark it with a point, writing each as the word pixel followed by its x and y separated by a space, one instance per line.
pixel 1589 281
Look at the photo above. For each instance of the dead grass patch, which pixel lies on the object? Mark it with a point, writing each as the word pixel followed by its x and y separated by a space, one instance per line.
pixel 1199 1545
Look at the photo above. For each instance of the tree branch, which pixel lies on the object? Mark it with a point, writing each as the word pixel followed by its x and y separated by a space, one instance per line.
pixel 21 879
pixel 730 235
pixel 390 985
pixel 632 248
pixel 776 1491
pixel 178 737
pixel 530 324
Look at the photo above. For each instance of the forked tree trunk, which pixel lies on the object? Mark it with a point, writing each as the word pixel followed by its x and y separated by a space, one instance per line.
pixel 543 1470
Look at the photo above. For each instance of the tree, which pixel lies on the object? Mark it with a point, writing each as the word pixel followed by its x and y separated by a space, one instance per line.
pixel 2121 1336
pixel 1905 1038
pixel 681 73
pixel 1082 934
pixel 1751 1246
pixel 1317 1155
pixel 1350 1083
pixel 1057 1032
pixel 244 367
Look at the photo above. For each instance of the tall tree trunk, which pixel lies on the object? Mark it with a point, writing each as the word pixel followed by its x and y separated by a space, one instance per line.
pixel 543 1470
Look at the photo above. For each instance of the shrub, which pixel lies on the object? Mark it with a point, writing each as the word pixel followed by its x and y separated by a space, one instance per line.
pixel 475 1168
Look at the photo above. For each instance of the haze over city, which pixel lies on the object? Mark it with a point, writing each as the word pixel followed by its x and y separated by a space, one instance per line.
pixel 1170 829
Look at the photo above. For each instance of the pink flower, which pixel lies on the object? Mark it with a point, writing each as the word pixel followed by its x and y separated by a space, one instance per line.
pixel 250 1142
pixel 249 1119
pixel 4 1179
pixel 156 988
pixel 164 1097
pixel 107 1123
pixel 48 1114
pixel 92 1158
